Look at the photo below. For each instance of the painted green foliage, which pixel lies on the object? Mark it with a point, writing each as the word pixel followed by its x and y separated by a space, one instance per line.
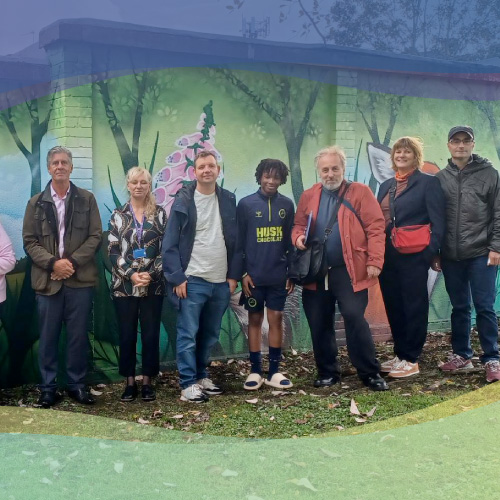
pixel 140 119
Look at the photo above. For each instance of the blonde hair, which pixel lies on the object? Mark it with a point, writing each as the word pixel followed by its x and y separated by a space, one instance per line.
pixel 331 150
pixel 415 145
pixel 150 200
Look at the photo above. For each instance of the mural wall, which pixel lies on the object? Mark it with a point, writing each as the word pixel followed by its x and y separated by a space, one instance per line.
pixel 158 119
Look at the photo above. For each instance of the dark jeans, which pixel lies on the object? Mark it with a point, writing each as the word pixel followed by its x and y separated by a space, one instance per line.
pixel 71 306
pixel 129 311
pixel 403 282
pixel 463 279
pixel 319 306
pixel 198 327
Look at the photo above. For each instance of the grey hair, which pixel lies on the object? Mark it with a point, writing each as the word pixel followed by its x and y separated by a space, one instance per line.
pixel 59 149
pixel 331 150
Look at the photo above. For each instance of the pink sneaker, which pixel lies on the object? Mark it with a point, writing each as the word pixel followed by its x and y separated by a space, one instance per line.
pixel 492 370
pixel 456 363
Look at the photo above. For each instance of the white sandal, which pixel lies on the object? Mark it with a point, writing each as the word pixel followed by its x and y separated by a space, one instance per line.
pixel 257 379
pixel 277 381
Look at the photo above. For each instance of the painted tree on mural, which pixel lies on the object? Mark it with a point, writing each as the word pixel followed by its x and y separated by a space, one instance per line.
pixel 289 102
pixel 127 101
pixel 24 117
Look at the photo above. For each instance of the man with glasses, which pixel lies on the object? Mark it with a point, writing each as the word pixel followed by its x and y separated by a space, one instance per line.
pixel 471 251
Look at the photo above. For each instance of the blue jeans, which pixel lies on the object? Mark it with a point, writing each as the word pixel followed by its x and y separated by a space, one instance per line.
pixel 463 279
pixel 198 327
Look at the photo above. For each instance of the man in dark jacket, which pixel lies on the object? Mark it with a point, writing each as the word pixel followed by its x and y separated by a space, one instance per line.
pixel 61 234
pixel 471 251
pixel 198 250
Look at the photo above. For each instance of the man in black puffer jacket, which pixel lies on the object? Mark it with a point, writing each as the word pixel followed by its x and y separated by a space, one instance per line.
pixel 471 251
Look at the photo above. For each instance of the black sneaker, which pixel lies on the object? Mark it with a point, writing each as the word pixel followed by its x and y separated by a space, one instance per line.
pixel 148 393
pixel 129 394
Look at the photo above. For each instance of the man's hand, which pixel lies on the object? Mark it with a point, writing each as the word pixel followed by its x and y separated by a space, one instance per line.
pixel 140 279
pixel 373 271
pixel 232 285
pixel 62 270
pixel 246 284
pixel 436 264
pixel 181 290
pixel 493 258
pixel 300 242
pixel 290 285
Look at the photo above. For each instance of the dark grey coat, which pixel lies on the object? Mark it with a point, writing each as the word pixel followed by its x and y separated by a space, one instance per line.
pixel 472 209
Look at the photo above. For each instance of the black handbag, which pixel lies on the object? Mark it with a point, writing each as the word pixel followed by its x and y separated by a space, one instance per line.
pixel 311 265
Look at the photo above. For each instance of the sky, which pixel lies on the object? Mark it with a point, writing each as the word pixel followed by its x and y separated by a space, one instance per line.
pixel 21 20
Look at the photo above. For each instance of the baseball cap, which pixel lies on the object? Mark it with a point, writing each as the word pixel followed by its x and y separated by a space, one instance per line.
pixel 461 128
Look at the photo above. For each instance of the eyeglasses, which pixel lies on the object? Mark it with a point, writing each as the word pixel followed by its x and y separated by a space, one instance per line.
pixel 456 142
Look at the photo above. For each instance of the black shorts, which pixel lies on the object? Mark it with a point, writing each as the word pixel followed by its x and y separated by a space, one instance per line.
pixel 272 296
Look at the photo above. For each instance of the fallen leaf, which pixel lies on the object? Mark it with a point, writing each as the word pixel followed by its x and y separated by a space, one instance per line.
pixel 339 428
pixel 300 464
pixel 157 413
pixel 271 418
pixel 330 454
pixel 229 473
pixel 354 408
pixel 386 437
pixel 301 421
pixel 29 453
pixel 73 455
pixel 45 480
pixel 278 393
pixel 229 361
pixel 104 445
pixel 303 393
pixel 214 469
pixel 178 416
pixel 28 421
pixel 371 412
pixel 118 467
pixel 95 393
pixel 304 482
pixel 360 420
pixel 333 405
pixel 142 421
pixel 169 485
pixel 101 386
pixel 294 352
pixel 252 401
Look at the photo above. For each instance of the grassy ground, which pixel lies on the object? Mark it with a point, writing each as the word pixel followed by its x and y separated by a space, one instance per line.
pixel 302 411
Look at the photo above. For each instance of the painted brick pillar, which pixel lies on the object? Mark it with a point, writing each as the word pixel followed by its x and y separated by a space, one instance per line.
pixel 345 119
pixel 71 122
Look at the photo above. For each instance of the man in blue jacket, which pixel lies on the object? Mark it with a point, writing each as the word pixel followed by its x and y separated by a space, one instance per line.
pixel 265 221
pixel 198 250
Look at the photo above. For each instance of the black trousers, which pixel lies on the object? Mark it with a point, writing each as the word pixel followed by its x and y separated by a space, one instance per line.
pixel 131 310
pixel 403 282
pixel 319 306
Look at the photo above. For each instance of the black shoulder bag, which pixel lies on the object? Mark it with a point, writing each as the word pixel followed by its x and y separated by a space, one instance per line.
pixel 310 265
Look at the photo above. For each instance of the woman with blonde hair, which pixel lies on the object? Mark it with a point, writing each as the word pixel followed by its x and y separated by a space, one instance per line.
pixel 135 236
pixel 414 210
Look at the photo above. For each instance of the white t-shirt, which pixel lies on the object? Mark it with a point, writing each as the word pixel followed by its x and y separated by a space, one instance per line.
pixel 209 255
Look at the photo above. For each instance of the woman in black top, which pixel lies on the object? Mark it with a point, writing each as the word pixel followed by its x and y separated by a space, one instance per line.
pixel 135 236
pixel 418 199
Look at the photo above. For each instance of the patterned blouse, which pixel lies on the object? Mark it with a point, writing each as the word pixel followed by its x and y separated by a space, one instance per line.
pixel 123 242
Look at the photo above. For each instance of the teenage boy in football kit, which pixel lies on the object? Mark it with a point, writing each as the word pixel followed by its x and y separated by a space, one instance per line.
pixel 265 221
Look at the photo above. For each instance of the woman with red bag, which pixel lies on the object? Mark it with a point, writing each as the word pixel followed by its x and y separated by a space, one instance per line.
pixel 413 205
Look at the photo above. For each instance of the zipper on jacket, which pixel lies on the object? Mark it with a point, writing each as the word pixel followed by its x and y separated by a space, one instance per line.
pixel 269 204
pixel 459 209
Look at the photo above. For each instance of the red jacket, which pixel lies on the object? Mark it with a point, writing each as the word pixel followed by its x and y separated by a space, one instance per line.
pixel 363 244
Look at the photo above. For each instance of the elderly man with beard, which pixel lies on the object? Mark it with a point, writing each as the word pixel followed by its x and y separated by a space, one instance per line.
pixel 355 254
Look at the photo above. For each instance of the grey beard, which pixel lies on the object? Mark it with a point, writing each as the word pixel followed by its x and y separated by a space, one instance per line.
pixel 330 187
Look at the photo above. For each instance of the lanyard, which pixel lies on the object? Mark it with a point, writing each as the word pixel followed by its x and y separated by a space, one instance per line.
pixel 138 226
